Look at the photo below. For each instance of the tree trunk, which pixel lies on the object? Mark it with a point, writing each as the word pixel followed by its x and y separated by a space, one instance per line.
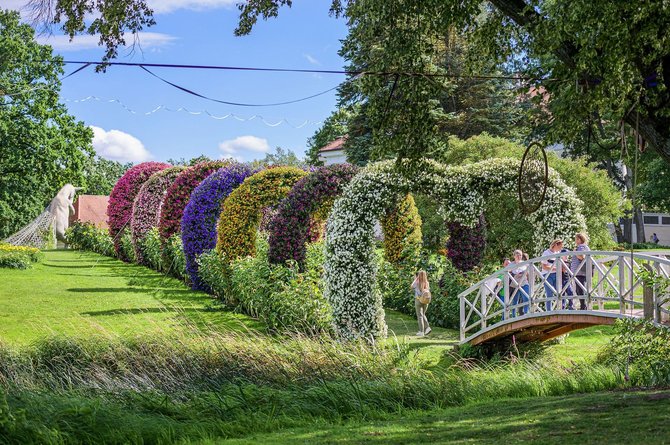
pixel 627 230
pixel 639 225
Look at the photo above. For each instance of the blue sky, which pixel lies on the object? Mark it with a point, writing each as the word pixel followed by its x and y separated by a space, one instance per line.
pixel 201 32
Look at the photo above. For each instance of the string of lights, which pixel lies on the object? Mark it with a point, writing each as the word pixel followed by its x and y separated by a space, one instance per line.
pixel 256 117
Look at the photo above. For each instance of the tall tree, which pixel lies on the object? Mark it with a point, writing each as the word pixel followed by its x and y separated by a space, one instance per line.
pixel 593 57
pixel 42 147
pixel 101 175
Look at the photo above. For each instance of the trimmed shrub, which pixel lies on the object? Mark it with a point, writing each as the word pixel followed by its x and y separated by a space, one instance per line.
pixel 150 247
pixel 147 206
pixel 402 234
pixel 241 212
pixel 179 193
pixel 466 245
pixel 198 225
pixel 126 248
pixel 120 207
pixel 291 226
pixel 86 236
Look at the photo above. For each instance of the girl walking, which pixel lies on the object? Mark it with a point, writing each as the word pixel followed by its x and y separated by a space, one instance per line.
pixel 422 298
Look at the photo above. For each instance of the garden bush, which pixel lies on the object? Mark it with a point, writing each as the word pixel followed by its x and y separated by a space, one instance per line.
pixel 280 296
pixel 18 257
pixel 641 350
pixel 147 206
pixel 87 236
pixel 174 261
pixel 126 248
pixel 198 225
pixel 179 193
pixel 120 207
pixel 150 248
pixel 466 245
pixel 402 234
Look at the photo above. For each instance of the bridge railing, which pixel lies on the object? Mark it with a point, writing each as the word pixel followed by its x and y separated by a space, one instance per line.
pixel 615 282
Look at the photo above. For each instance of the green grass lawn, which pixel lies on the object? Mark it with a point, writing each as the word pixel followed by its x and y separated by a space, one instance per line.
pixel 603 418
pixel 81 293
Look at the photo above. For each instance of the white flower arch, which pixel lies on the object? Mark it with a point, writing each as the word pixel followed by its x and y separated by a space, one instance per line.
pixel 461 191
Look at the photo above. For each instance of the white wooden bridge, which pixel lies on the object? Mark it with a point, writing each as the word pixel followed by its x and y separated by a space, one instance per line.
pixel 536 303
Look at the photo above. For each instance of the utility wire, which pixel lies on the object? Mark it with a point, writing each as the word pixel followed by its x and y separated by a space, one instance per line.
pixel 315 71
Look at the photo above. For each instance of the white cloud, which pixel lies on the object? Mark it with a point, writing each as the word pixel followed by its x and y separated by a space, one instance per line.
pixel 146 40
pixel 311 59
pixel 232 147
pixel 119 146
pixel 167 6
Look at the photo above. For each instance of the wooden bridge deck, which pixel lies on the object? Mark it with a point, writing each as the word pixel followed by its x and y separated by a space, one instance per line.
pixel 544 326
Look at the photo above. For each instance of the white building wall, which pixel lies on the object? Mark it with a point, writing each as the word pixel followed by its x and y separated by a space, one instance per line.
pixel 333 157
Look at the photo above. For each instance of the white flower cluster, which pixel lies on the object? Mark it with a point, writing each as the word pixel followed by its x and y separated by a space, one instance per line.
pixel 462 191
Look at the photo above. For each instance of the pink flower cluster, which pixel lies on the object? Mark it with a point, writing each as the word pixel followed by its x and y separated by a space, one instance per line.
pixel 179 193
pixel 120 207
pixel 147 206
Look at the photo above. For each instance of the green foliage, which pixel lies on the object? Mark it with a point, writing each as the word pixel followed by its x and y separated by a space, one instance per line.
pixel 86 236
pixel 281 157
pixel 101 174
pixel 654 192
pixel 151 249
pixel 126 248
pixel 18 257
pixel 402 234
pixel 174 261
pixel 432 223
pixel 640 349
pixel 41 147
pixel 335 126
pixel 281 297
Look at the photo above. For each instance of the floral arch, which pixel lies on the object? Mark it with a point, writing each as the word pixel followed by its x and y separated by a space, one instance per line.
pixel 147 206
pixel 179 193
pixel 461 191
pixel 241 211
pixel 198 225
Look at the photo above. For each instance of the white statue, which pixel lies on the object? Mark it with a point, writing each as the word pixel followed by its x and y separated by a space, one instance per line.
pixel 61 208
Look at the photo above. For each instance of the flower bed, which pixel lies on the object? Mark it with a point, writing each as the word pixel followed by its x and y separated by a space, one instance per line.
pixel 18 257
pixel 179 193
pixel 201 214
pixel 241 211
pixel 462 191
pixel 147 206
pixel 120 207
pixel 290 227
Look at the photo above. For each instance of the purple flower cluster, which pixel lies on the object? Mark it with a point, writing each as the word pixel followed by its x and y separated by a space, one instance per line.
pixel 179 193
pixel 466 245
pixel 120 207
pixel 290 227
pixel 198 224
pixel 147 206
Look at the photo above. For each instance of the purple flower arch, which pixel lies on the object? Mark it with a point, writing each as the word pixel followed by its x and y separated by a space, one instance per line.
pixel 147 206
pixel 120 206
pixel 290 227
pixel 179 193
pixel 198 225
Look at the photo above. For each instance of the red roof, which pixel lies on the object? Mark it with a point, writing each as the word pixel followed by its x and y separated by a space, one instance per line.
pixel 337 144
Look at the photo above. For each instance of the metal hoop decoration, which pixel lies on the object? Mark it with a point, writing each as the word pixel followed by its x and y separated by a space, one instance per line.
pixel 533 178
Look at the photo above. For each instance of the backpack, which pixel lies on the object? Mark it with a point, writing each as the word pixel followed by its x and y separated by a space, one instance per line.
pixel 425 297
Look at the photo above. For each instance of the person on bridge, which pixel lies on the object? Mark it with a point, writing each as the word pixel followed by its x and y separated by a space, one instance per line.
pixel 518 286
pixel 578 269
pixel 549 272
pixel 422 297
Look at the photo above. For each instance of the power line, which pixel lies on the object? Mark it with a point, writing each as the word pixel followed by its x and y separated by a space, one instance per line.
pixel 315 71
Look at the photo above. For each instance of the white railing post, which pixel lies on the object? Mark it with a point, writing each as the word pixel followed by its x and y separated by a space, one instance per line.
pixel 622 284
pixel 558 265
pixel 531 288
pixel 463 317
pixel 506 296
pixel 588 282
pixel 482 299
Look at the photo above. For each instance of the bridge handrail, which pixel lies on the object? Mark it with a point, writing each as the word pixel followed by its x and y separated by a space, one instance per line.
pixel 645 256
pixel 600 277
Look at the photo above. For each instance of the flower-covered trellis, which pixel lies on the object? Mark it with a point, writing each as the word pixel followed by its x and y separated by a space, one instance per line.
pixel 403 239
pixel 120 206
pixel 198 225
pixel 290 226
pixel 461 191
pixel 147 206
pixel 241 211
pixel 178 195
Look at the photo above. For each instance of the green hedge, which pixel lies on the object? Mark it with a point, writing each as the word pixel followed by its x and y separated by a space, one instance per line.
pixel 87 236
